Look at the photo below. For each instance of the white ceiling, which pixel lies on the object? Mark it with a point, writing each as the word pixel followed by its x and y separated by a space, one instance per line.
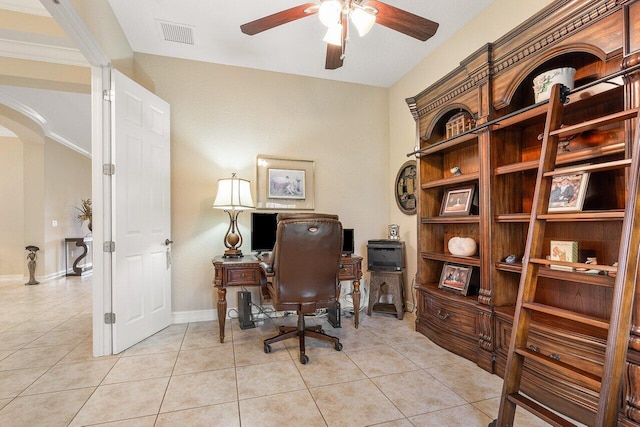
pixel 380 58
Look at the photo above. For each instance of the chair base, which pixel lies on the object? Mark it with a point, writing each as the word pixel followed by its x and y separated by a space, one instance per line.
pixel 301 332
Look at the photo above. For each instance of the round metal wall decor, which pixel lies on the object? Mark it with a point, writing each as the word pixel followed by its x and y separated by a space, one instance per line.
pixel 405 188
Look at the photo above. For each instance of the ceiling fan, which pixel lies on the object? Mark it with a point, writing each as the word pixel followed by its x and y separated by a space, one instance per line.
pixel 336 14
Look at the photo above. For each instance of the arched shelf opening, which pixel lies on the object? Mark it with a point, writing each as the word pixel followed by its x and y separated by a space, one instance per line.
pixel 589 66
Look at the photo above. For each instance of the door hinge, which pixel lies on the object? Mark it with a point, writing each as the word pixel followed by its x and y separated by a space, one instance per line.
pixel 109 318
pixel 108 169
pixel 109 246
pixel 107 95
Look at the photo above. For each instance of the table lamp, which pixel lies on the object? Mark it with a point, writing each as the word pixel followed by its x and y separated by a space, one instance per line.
pixel 234 196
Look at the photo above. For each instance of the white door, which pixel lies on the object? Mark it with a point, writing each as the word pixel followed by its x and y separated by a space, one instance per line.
pixel 141 288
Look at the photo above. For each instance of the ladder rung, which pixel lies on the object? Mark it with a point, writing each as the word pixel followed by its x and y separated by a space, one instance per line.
pixel 567 314
pixel 549 262
pixel 589 379
pixel 595 123
pixel 610 215
pixel 540 411
pixel 598 167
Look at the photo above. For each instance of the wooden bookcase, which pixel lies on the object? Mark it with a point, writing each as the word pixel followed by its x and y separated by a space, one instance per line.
pixel 500 157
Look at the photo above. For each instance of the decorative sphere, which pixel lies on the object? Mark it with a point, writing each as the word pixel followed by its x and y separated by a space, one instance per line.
pixel 462 246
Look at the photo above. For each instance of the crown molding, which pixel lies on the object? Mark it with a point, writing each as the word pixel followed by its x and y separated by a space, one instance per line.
pixel 43 53
pixel 32 7
pixel 41 121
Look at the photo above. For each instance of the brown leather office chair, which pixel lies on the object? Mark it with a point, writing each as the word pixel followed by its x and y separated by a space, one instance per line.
pixel 303 272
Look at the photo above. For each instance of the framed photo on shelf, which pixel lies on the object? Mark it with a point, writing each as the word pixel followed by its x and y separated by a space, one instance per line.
pixel 456 278
pixel 284 183
pixel 562 250
pixel 457 201
pixel 568 192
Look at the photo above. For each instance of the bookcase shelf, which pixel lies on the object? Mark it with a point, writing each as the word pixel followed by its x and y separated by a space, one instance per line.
pixel 501 157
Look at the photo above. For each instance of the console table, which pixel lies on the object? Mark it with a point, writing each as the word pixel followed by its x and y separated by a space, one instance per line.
pixel 78 242
pixel 245 271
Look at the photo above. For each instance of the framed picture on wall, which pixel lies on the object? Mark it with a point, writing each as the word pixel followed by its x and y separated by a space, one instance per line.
pixel 284 183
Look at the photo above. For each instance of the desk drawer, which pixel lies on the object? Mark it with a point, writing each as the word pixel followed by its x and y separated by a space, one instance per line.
pixel 243 276
pixel 347 272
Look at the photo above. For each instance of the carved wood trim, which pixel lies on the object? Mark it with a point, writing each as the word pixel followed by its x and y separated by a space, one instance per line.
pixel 632 385
pixel 554 35
pixel 543 41
pixel 485 330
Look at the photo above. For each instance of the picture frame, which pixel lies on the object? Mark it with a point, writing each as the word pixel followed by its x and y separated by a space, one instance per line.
pixel 457 201
pixel 456 278
pixel 563 250
pixel 284 183
pixel 568 192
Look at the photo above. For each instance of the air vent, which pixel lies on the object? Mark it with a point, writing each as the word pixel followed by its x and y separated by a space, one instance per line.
pixel 172 32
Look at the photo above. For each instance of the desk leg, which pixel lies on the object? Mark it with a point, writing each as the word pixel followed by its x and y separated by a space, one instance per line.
pixel 78 270
pixel 222 311
pixel 356 303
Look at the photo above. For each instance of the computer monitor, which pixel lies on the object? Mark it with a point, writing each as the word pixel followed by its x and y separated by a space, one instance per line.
pixel 348 245
pixel 263 231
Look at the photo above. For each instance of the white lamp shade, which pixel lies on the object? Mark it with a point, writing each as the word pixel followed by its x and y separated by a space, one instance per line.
pixel 334 35
pixel 329 12
pixel 363 19
pixel 233 193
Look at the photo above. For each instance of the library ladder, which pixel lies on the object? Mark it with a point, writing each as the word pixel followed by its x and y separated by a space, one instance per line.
pixel 618 325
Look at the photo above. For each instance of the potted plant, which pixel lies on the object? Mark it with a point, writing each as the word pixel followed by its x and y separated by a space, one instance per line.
pixel 85 212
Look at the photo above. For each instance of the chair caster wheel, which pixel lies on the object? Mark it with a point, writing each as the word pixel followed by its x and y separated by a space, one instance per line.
pixel 267 348
pixel 304 359
pixel 338 346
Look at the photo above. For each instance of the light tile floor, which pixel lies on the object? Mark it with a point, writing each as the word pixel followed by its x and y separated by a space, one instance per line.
pixel 386 375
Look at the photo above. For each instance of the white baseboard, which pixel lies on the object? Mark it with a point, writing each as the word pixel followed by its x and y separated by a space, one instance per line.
pixel 200 315
pixel 194 316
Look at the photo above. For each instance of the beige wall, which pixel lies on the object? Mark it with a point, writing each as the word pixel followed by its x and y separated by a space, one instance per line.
pixel 222 117
pixel 67 180
pixel 40 180
pixel 497 19
pixel 12 208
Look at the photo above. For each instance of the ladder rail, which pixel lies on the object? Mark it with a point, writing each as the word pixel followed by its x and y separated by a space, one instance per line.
pixel 623 295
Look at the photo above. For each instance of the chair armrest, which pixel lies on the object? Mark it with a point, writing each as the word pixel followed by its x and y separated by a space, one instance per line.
pixel 267 268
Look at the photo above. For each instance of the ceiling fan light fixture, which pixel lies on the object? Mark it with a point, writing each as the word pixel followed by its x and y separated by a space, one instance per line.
pixel 363 19
pixel 334 35
pixel 330 12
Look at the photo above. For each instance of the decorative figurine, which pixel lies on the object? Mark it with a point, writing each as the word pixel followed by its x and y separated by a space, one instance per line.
pixel 394 232
pixel 456 170
pixel 510 259
pixel 31 264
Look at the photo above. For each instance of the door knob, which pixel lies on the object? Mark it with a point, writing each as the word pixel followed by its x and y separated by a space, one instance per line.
pixel 167 242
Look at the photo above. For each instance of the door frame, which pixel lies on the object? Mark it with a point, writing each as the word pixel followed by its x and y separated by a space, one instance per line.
pixel 72 24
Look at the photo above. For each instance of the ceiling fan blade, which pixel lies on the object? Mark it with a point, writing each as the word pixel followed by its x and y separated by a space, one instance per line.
pixel 283 17
pixel 335 54
pixel 334 57
pixel 405 22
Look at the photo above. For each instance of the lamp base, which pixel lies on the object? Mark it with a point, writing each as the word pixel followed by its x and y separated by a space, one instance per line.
pixel 233 253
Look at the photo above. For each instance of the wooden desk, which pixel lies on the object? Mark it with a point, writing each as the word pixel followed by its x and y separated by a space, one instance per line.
pixel 245 271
